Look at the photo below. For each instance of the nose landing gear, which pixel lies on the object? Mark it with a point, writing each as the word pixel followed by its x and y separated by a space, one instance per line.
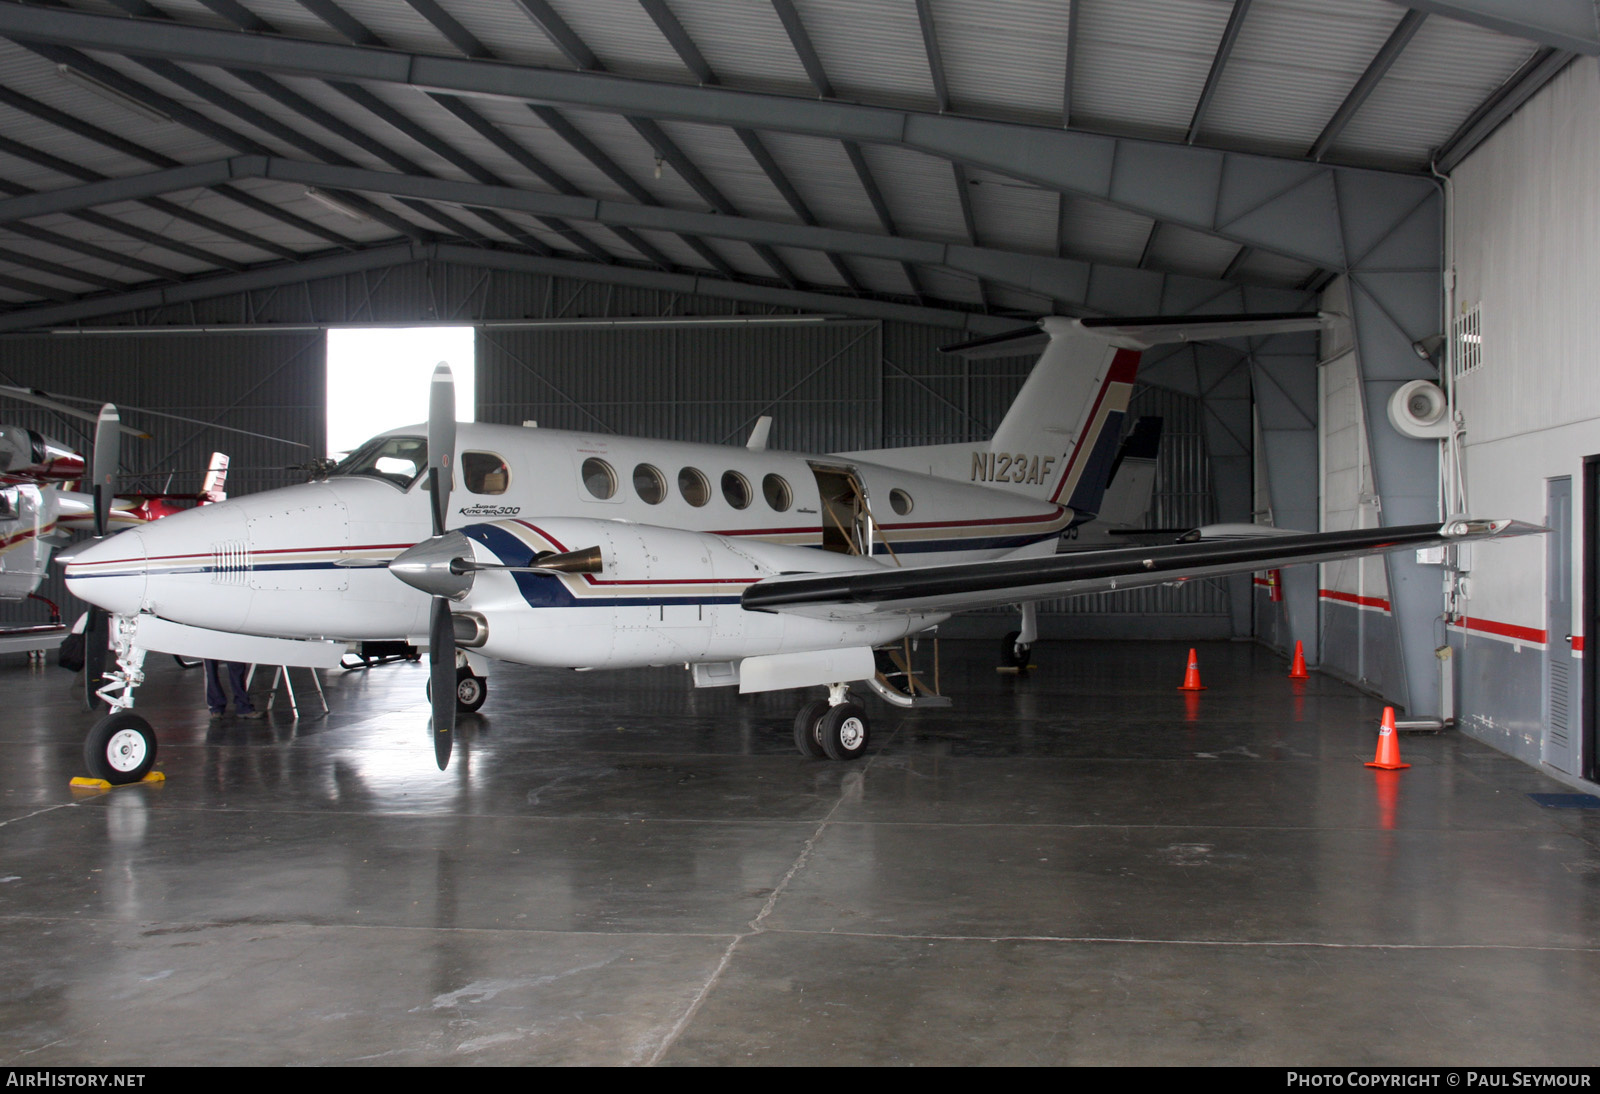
pixel 121 748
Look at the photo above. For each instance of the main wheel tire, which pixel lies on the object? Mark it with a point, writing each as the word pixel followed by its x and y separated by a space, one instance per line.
pixel 844 732
pixel 1013 655
pixel 121 748
pixel 806 737
pixel 471 690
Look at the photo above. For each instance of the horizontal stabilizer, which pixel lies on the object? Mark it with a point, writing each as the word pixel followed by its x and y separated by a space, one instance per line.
pixel 1157 330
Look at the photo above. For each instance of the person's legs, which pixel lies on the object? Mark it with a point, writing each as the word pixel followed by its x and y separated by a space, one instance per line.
pixel 215 698
pixel 241 692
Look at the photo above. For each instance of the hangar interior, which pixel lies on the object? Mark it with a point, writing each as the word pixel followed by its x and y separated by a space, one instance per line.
pixel 668 218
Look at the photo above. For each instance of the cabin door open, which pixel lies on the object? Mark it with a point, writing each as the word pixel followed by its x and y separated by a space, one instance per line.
pixel 846 525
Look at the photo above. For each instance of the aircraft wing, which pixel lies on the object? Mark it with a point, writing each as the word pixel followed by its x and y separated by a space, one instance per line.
pixel 970 585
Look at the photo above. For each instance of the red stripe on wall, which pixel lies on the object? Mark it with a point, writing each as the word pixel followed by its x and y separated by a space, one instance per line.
pixel 1505 630
pixel 1352 598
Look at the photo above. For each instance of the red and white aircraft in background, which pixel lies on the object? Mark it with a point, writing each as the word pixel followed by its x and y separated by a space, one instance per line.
pixel 758 569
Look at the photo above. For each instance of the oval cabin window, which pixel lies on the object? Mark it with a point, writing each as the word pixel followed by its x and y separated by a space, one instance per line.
pixel 776 490
pixel 736 489
pixel 900 501
pixel 694 487
pixel 650 484
pixel 598 478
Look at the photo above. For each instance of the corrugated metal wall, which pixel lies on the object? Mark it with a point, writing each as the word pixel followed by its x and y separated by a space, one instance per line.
pixel 830 386
pixel 1525 223
pixel 819 382
pixel 270 384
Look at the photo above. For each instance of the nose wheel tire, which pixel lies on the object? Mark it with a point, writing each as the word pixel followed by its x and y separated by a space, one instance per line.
pixel 121 748
pixel 806 725
pixel 843 732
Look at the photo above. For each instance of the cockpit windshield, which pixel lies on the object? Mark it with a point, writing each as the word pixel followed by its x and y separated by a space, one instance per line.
pixel 400 460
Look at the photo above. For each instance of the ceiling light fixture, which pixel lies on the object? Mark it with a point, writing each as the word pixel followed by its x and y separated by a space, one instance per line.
pixel 106 91
pixel 327 201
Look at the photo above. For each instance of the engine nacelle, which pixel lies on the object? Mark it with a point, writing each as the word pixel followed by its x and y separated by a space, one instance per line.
pixel 26 455
pixel 661 596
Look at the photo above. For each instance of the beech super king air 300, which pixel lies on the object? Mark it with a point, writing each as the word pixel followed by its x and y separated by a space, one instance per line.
pixel 759 569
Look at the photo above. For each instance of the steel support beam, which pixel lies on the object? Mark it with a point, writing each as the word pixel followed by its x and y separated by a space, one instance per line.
pixel 1387 55
pixel 1279 205
pixel 1072 281
pixel 1572 25
pixel 206 287
pixel 1523 84
pixel 1219 61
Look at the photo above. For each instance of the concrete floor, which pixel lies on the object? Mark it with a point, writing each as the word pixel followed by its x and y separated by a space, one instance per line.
pixel 1080 866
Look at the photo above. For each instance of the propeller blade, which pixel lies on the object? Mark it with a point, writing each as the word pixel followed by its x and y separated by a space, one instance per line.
pixel 442 679
pixel 441 443
pixel 40 398
pixel 107 449
pixel 53 402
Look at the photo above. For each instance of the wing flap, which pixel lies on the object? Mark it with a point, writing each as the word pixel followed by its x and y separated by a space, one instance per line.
pixel 971 585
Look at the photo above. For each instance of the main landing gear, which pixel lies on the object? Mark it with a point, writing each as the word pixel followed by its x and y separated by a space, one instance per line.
pixel 121 748
pixel 1017 647
pixel 833 727
pixel 471 690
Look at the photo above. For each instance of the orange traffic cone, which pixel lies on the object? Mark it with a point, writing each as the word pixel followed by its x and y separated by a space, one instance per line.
pixel 1297 667
pixel 1388 757
pixel 1191 677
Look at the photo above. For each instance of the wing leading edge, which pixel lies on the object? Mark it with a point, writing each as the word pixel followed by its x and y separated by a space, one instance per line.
pixel 971 585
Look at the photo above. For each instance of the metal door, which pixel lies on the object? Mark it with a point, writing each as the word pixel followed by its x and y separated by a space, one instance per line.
pixel 1558 750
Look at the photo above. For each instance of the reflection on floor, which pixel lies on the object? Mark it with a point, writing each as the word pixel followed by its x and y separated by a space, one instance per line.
pixel 1084 865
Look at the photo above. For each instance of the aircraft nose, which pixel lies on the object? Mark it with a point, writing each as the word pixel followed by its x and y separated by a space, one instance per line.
pixel 111 574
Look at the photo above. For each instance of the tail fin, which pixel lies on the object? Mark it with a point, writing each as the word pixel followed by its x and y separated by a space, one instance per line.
pixel 1058 442
pixel 1059 438
pixel 216 480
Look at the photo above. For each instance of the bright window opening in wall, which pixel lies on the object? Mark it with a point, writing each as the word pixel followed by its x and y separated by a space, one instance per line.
pixel 378 378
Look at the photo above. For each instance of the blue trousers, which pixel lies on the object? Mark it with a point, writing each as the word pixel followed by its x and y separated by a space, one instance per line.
pixel 217 697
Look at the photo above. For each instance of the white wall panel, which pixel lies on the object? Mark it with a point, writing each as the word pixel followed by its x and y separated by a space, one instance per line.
pixel 1526 243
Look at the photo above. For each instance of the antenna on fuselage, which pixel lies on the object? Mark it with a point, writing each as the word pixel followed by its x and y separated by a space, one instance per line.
pixel 758 435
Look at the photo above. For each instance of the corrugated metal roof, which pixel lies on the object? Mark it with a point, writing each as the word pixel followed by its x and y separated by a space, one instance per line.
pixel 745 45
pixel 1139 69
pixel 1005 58
pixel 1447 69
pixel 821 173
pixel 622 36
pixel 1294 63
pixel 871 52
pixel 1141 64
pixel 1102 233
pixel 1015 216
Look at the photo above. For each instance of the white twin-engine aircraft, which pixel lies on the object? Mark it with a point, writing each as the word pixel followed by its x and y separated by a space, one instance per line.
pixel 755 568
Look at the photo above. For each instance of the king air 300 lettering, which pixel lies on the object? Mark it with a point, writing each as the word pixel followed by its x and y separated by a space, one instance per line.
pixel 1010 467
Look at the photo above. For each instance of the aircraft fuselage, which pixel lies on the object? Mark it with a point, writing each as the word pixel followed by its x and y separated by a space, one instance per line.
pixel 310 560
